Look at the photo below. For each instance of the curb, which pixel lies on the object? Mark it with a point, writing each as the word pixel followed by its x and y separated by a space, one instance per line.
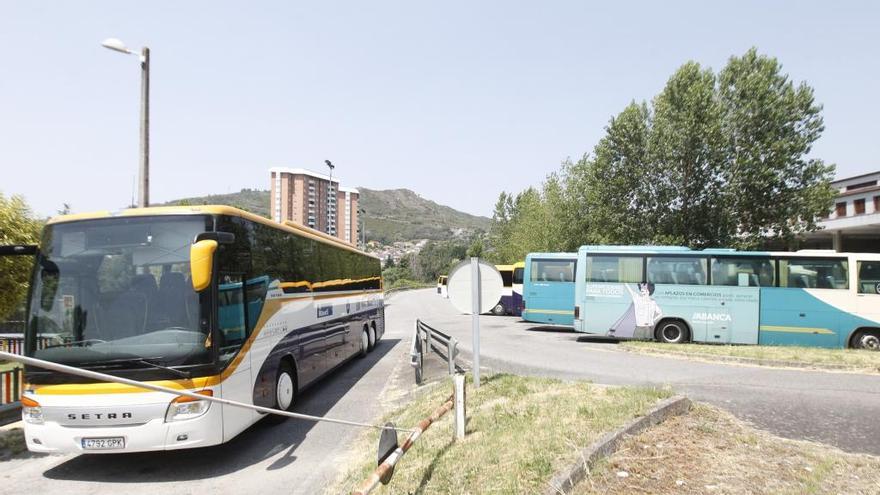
pixel 756 361
pixel 564 480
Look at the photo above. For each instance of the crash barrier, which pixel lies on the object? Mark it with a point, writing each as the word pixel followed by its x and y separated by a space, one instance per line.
pixel 388 458
pixel 425 339
pixel 10 385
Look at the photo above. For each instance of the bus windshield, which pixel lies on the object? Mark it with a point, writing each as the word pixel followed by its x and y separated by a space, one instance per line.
pixel 116 294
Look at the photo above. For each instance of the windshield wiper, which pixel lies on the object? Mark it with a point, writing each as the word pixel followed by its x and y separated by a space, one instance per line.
pixel 184 374
pixel 77 342
pixel 144 361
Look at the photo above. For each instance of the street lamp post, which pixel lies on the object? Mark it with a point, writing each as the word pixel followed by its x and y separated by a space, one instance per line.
pixel 330 199
pixel 144 184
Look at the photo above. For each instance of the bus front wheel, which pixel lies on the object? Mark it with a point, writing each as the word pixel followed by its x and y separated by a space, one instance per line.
pixel 867 339
pixel 672 332
pixel 285 391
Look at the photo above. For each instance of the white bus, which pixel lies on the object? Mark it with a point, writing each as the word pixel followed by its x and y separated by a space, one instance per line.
pixel 209 299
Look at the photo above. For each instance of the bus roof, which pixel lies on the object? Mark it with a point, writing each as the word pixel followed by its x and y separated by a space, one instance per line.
pixel 288 226
pixel 563 256
pixel 519 264
pixel 825 253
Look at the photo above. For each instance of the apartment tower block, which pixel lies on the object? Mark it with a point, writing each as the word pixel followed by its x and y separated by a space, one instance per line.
pixel 314 200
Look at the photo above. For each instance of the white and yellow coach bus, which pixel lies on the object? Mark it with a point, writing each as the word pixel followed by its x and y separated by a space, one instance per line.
pixel 209 299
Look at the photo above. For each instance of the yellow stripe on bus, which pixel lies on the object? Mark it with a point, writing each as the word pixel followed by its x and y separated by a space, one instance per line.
pixel 551 311
pixel 120 388
pixel 777 328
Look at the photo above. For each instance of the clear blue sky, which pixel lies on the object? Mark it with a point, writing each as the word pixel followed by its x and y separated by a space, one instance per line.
pixel 455 100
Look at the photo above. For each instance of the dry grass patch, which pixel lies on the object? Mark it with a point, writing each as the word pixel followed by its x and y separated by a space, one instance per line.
pixel 12 443
pixel 710 451
pixel 520 432
pixel 808 357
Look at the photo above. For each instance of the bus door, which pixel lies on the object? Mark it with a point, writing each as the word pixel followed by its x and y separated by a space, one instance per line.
pixel 232 332
pixel 738 316
pixel 869 290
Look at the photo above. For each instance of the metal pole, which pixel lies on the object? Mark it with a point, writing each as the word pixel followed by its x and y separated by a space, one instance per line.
pixel 475 318
pixel 459 396
pixel 144 186
pixel 450 346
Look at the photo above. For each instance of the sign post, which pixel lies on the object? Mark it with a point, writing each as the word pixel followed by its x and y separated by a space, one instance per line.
pixel 475 316
pixel 474 288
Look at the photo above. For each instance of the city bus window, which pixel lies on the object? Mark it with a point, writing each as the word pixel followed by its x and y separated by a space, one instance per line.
pixel 677 270
pixel 807 273
pixel 869 277
pixel 626 269
pixel 553 270
pixel 518 276
pixel 743 272
pixel 506 278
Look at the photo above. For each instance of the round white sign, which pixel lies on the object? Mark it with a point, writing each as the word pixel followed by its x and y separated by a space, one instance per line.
pixel 460 288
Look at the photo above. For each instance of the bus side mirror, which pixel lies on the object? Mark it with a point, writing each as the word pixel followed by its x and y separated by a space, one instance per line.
pixel 201 263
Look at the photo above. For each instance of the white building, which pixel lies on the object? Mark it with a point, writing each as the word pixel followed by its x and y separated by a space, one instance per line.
pixel 853 224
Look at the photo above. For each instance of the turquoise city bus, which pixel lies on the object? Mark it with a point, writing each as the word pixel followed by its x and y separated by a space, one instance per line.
pixel 548 288
pixel 674 294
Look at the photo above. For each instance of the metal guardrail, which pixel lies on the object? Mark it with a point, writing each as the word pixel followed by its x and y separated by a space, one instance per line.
pixel 14 342
pixel 425 339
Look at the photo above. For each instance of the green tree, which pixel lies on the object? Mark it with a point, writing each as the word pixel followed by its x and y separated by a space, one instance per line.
pixel 17 226
pixel 687 158
pixel 611 192
pixel 770 126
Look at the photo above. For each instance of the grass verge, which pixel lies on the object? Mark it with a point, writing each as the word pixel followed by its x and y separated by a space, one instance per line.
pixel 710 451
pixel 859 360
pixel 520 432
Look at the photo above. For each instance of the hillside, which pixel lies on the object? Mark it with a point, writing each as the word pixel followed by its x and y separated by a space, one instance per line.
pixel 402 215
pixel 392 214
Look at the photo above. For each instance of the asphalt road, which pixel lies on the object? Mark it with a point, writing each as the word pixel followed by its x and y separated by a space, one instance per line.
pixel 841 409
pixel 295 457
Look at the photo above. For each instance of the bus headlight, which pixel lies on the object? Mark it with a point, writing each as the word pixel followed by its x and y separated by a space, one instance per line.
pixel 183 408
pixel 31 412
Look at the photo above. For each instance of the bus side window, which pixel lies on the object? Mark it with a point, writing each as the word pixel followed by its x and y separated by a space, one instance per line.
pixel 813 273
pixel 869 277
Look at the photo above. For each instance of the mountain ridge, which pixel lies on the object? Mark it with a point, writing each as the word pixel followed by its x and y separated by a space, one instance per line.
pixel 391 214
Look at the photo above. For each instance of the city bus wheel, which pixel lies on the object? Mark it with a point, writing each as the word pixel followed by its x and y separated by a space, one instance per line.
pixel 498 310
pixel 672 332
pixel 365 343
pixel 868 340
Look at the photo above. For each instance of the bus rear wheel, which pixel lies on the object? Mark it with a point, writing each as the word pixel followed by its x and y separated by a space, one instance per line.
pixel 498 310
pixel 867 339
pixel 365 343
pixel 672 332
